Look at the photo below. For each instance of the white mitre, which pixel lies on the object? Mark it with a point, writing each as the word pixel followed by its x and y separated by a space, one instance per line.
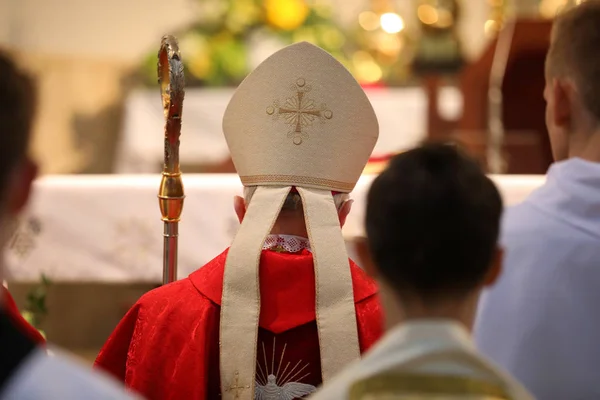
pixel 299 120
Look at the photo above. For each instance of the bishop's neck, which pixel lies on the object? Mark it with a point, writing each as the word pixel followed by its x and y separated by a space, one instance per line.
pixel 286 225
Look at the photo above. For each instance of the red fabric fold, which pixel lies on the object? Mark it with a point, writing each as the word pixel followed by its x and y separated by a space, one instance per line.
pixel 167 346
pixel 287 287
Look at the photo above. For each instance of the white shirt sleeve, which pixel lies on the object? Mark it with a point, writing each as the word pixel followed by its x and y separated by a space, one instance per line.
pixel 58 377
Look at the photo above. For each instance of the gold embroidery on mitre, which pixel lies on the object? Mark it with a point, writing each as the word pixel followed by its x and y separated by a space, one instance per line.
pixel 299 111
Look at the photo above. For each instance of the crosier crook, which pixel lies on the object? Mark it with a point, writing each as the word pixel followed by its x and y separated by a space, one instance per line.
pixel 170 194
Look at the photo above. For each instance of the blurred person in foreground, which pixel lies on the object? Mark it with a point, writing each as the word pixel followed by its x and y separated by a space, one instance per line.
pixel 26 371
pixel 541 321
pixel 432 223
pixel 283 309
pixel 11 309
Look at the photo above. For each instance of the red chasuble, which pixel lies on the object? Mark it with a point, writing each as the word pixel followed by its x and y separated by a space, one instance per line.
pixel 20 323
pixel 167 346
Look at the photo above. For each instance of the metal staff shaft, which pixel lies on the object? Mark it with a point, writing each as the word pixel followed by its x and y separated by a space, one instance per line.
pixel 170 194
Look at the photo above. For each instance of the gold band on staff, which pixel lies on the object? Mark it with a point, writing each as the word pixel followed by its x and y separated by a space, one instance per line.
pixel 170 195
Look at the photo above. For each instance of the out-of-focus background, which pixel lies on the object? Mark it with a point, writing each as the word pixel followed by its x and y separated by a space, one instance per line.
pixel 469 70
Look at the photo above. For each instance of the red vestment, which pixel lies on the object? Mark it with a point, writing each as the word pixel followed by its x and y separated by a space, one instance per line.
pixel 167 346
pixel 11 309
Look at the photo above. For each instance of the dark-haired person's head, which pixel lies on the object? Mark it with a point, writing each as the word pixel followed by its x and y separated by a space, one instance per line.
pixel 17 170
pixel 432 223
pixel 572 90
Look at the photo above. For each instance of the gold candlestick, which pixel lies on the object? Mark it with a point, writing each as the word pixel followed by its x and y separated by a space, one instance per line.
pixel 170 194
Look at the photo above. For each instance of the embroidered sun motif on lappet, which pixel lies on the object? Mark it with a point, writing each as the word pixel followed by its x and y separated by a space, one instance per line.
pixel 275 383
pixel 299 111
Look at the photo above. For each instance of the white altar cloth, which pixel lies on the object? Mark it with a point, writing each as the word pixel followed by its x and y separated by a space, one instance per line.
pixel 401 112
pixel 108 228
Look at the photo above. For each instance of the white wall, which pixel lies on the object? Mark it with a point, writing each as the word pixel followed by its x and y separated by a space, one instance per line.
pixel 122 29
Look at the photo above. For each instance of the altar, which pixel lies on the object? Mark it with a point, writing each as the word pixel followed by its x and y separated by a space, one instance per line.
pixel 107 228
pixel 401 112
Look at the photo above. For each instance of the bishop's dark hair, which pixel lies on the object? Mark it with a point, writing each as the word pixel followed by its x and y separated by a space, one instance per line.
pixel 432 222
pixel 17 109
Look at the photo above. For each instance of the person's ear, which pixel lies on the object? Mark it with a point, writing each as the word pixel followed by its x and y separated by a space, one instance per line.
pixel 239 205
pixel 344 211
pixel 20 184
pixel 495 268
pixel 361 245
pixel 562 95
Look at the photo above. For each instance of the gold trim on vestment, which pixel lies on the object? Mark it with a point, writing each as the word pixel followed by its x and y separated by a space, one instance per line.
pixel 240 301
pixel 335 310
pixel 412 386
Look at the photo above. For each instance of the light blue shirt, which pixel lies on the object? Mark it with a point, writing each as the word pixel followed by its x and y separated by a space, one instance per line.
pixel 42 377
pixel 541 321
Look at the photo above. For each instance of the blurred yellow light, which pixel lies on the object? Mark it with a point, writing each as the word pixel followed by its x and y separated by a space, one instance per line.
pixel 332 38
pixel 491 27
pixel 551 8
pixel 391 22
pixel 305 35
pixel 286 14
pixel 390 45
pixel 427 14
pixel 548 8
pixel 199 54
pixel 445 19
pixel 367 70
pixel 368 20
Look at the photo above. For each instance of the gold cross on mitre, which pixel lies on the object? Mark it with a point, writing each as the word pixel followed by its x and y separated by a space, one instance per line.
pixel 236 387
pixel 299 111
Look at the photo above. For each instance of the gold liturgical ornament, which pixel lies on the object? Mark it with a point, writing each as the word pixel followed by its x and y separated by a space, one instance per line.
pixel 406 386
pixel 300 111
pixel 170 194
